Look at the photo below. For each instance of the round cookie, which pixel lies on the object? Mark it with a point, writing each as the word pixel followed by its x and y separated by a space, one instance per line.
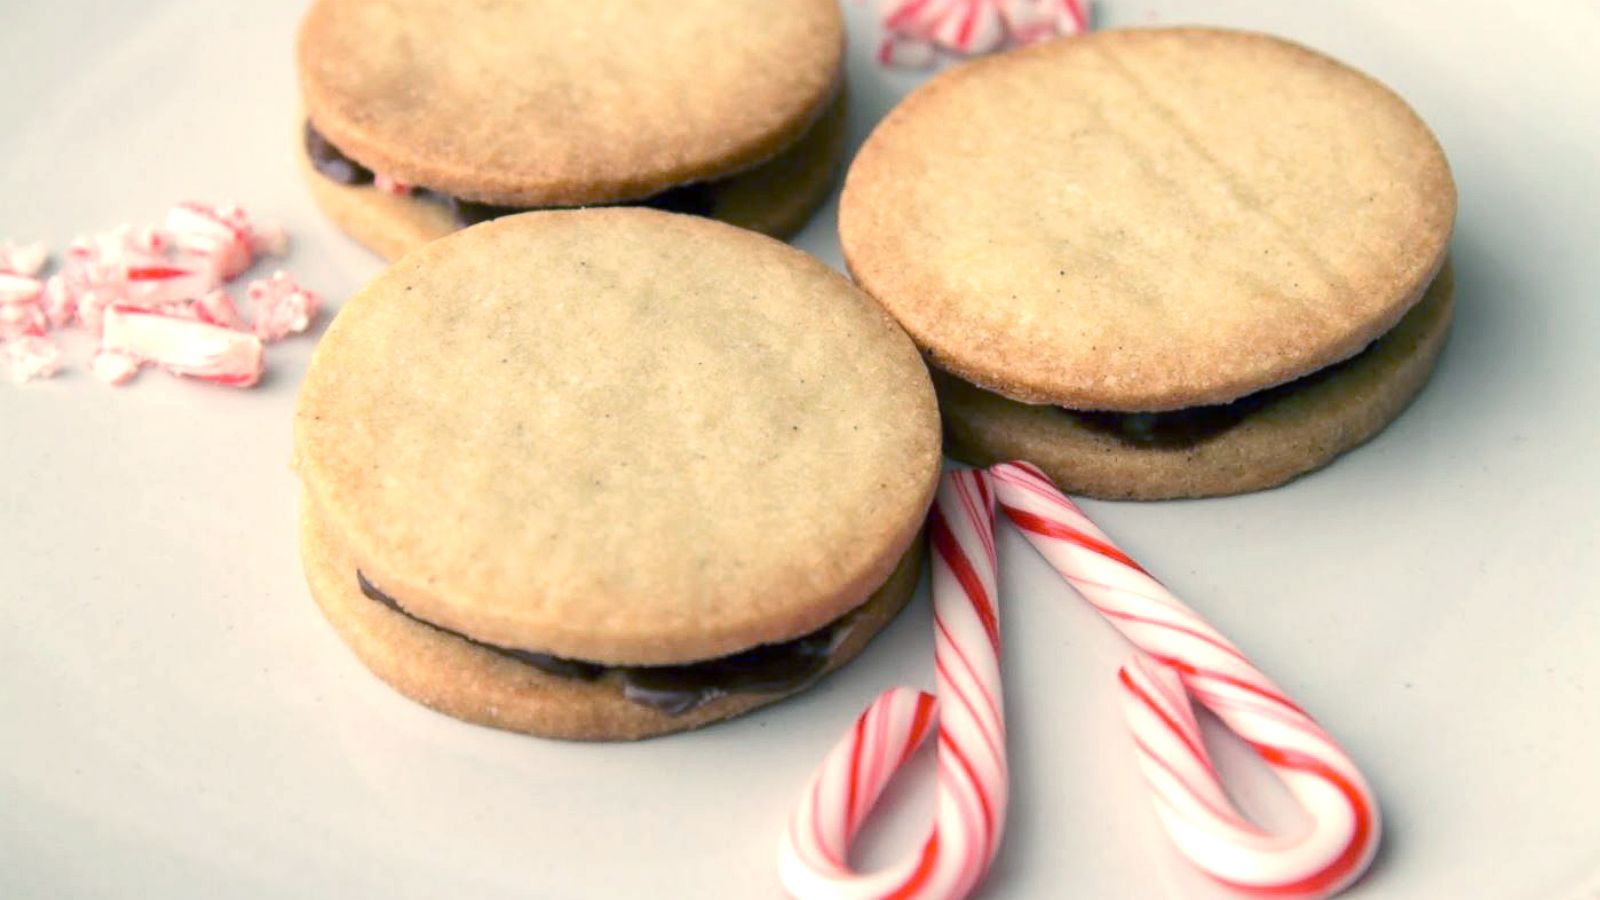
pixel 540 103
pixel 1148 219
pixel 452 675
pixel 617 436
pixel 1284 432
pixel 775 198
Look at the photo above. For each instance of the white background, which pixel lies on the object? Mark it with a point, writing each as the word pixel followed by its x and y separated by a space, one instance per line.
pixel 177 721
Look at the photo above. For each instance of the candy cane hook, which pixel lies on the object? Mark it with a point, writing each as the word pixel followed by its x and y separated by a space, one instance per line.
pixel 972 777
pixel 1180 655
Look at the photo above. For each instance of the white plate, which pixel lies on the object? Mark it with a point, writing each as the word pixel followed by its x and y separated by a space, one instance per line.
pixel 177 721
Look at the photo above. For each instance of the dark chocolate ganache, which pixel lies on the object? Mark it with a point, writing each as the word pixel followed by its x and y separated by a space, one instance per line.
pixel 1193 425
pixel 675 690
pixel 333 164
pixel 1178 428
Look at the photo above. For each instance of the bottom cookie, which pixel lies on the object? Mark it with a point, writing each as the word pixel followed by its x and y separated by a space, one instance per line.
pixel 474 683
pixel 1258 442
pixel 775 198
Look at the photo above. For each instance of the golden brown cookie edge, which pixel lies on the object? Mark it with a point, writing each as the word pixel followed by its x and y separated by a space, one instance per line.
pixel 452 676
pixel 393 225
pixel 1322 423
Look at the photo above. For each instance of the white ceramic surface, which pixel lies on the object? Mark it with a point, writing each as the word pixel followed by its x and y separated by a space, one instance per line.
pixel 177 721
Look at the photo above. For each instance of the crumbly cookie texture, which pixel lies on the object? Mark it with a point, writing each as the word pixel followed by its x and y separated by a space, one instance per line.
pixel 775 198
pixel 556 103
pixel 1302 428
pixel 619 435
pixel 469 682
pixel 1147 219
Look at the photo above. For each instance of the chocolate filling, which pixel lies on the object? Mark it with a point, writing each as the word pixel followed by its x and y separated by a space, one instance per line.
pixel 1193 425
pixel 1179 428
pixel 675 690
pixel 333 164
pixel 693 199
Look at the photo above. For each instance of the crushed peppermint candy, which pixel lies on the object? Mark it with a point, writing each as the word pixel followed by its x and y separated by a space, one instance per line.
pixel 281 306
pixel 22 259
pixel 114 366
pixel 390 186
pixel 20 320
pixel 220 236
pixel 918 32
pixel 183 346
pixel 156 295
pixel 27 358
pixel 16 290
pixel 216 308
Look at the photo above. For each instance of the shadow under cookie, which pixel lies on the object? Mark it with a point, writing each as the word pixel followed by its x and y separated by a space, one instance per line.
pixel 1257 442
pixel 776 198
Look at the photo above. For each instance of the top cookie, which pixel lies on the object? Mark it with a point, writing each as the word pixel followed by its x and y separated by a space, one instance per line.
pixel 556 102
pixel 618 435
pixel 1146 220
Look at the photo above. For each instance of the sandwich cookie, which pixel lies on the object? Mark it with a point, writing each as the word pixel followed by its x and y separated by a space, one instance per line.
pixel 604 474
pixel 423 116
pixel 1159 262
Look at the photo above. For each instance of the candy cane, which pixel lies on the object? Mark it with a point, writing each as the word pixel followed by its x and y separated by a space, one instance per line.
pixel 16 290
pixel 281 306
pixel 216 308
pixel 23 259
pixel 21 314
pixel 151 286
pixel 972 780
pixel 390 185
pixel 114 367
pixel 29 357
pixel 220 234
pixel 1180 655
pixel 21 320
pixel 917 30
pixel 183 346
pixel 160 289
pixel 974 29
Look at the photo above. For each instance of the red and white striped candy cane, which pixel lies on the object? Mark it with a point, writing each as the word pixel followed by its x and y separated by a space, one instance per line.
pixel 972 779
pixel 220 234
pixel 149 287
pixel 917 30
pixel 17 290
pixel 182 345
pixel 1180 655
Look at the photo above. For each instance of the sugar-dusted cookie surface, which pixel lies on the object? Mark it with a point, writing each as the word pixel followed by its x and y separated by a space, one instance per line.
pixel 560 103
pixel 775 198
pixel 619 435
pixel 1147 219
pixel 1293 430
